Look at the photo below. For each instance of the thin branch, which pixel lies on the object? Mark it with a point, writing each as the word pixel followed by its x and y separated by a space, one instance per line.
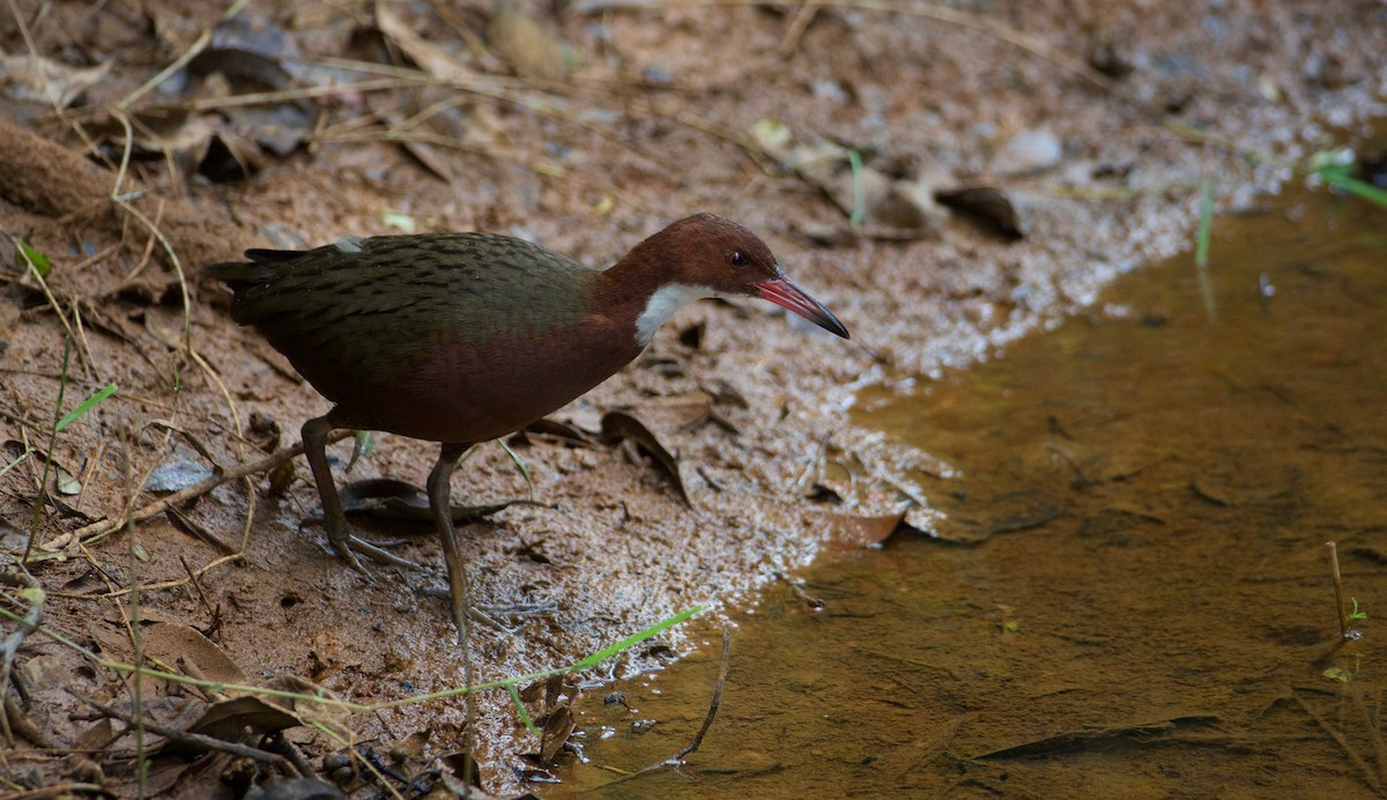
pixel 198 740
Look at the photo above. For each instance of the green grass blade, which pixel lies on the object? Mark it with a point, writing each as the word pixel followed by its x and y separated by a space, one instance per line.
pixel 520 709
pixel 87 405
pixel 637 638
pixel 1201 247
pixel 1361 189
pixel 519 463
pixel 859 202
pixel 27 254
pixel 19 459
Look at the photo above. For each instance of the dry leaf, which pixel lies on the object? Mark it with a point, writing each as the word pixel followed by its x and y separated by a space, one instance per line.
pixel 395 499
pixel 232 720
pixel 618 426
pixel 429 57
pixel 172 643
pixel 862 191
pixel 33 78
pixel 525 44
pixel 986 207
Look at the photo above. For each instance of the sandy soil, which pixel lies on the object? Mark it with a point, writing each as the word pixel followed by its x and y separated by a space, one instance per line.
pixel 654 112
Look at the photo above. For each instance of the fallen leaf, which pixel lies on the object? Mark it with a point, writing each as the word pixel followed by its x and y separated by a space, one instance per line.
pixel 36 79
pixel 618 426
pixel 525 44
pixel 986 207
pixel 314 707
pixel 1028 152
pixel 557 728
pixel 395 499
pixel 66 483
pixel 176 475
pixel 232 720
pixel 174 643
pixel 547 428
pixel 429 57
pixel 855 530
pixel 864 193
pixel 1094 737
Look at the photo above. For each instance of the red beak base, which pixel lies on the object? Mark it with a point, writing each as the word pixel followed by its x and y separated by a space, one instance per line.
pixel 786 293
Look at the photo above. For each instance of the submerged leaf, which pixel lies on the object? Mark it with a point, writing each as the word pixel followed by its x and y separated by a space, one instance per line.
pixel 557 728
pixel 855 530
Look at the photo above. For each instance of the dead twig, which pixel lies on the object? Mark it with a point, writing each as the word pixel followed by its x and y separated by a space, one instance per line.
pixel 200 488
pixel 697 742
pixel 715 702
pixel 1369 776
pixel 1338 590
pixel 26 583
pixel 196 740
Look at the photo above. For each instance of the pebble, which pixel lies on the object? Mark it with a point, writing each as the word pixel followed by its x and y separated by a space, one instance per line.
pixel 1028 152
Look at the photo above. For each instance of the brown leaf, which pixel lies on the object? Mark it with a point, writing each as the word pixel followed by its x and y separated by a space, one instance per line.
pixel 987 207
pixel 547 428
pixel 308 709
pixel 428 56
pixel 854 530
pixel 457 765
pixel 525 44
pixel 231 720
pixel 395 499
pixel 429 157
pixel 30 77
pixel 618 426
pixel 557 728
pixel 872 195
pixel 688 410
pixel 182 645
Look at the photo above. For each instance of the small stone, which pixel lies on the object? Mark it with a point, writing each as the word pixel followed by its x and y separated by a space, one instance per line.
pixel 1028 152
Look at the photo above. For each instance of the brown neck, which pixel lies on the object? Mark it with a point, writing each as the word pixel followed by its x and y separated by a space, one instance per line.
pixel 624 290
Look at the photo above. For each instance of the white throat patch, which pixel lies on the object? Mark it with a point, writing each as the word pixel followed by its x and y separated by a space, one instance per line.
pixel 665 301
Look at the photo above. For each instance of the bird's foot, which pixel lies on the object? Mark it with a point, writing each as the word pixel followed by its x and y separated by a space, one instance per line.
pixel 375 552
pixel 492 615
pixel 346 545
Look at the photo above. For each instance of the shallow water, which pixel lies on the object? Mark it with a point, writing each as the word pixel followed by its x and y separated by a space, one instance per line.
pixel 1131 593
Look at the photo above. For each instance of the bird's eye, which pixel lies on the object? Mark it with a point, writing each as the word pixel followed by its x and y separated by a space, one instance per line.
pixel 736 259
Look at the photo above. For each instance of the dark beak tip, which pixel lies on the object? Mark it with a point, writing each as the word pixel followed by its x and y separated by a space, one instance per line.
pixel 786 293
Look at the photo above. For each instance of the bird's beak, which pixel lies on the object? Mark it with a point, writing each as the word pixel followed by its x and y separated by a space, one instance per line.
pixel 786 293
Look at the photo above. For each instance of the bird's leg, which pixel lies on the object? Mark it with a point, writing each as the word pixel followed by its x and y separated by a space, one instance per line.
pixel 440 501
pixel 440 490
pixel 315 433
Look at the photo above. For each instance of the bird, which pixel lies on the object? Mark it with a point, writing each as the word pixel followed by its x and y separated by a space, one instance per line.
pixel 464 337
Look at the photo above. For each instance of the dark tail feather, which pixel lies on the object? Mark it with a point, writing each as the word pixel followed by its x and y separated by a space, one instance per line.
pixel 256 272
pixel 263 256
pixel 240 274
